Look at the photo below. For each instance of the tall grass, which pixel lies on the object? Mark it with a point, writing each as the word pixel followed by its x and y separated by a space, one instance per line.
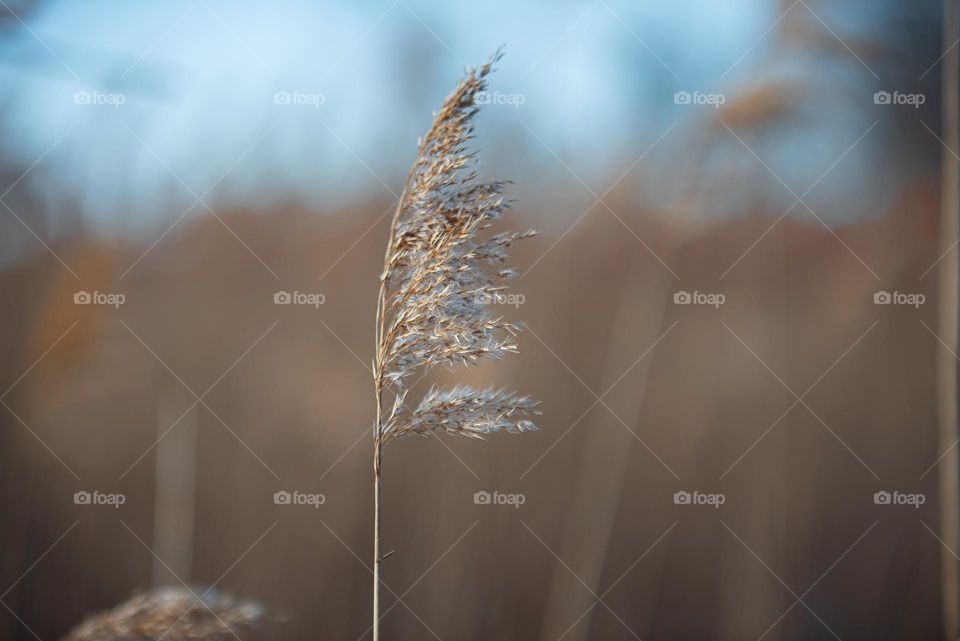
pixel 438 282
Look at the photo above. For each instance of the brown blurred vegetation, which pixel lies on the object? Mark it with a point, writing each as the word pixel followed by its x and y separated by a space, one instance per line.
pixel 300 400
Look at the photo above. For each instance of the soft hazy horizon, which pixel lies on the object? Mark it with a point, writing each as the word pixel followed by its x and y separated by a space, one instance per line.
pixel 140 108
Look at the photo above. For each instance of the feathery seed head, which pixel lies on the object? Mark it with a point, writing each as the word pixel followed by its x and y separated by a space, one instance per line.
pixel 439 279
pixel 172 614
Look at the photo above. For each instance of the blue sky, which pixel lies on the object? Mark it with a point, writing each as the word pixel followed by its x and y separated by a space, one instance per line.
pixel 178 98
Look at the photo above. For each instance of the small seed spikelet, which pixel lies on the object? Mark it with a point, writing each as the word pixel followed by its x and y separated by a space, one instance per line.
pixel 174 615
pixel 440 278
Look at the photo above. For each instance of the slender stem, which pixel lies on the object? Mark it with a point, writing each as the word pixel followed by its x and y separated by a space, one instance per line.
pixel 378 383
pixel 376 532
pixel 378 426
pixel 378 365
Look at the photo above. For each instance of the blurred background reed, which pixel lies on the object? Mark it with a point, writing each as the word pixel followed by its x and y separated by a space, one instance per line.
pixel 200 160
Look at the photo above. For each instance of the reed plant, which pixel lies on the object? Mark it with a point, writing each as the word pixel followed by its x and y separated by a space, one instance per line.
pixel 442 271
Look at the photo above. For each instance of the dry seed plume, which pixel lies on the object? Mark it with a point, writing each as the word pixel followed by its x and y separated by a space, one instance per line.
pixel 172 614
pixel 441 274
pixel 439 280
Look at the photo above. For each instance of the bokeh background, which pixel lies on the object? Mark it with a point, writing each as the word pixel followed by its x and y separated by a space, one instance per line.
pixel 199 156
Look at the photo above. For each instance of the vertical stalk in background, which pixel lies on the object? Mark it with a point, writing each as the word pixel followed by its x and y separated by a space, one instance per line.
pixel 591 517
pixel 175 478
pixel 949 279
